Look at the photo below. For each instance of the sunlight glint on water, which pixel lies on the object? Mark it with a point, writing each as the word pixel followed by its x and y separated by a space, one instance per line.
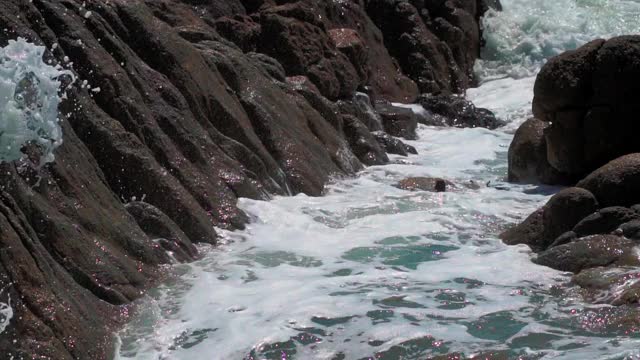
pixel 371 271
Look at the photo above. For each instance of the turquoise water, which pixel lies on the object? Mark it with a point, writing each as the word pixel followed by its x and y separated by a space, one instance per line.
pixel 373 272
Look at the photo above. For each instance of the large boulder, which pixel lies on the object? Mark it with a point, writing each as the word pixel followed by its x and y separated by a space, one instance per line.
pixel 528 156
pixel 616 183
pixel 561 213
pixel 587 98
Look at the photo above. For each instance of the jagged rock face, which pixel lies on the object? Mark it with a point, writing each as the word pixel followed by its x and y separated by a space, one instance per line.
pixel 199 103
pixel 587 99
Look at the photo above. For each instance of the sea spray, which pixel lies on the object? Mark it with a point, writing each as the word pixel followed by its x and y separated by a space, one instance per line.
pixel 29 99
pixel 526 33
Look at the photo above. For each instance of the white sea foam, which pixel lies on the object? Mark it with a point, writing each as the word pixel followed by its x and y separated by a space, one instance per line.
pixel 6 311
pixel 29 99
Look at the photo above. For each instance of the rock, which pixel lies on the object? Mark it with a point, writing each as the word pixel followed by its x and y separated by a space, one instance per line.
pixel 398 121
pixel 435 42
pixel 586 97
pixel 360 107
pixel 349 42
pixel 631 229
pixel 423 184
pixel 529 232
pixel 392 145
pixel 240 29
pixel 161 228
pixel 528 156
pixel 561 213
pixel 589 252
pixel 459 112
pixel 616 183
pixel 565 238
pixel 605 221
pixel 363 143
pixel 565 209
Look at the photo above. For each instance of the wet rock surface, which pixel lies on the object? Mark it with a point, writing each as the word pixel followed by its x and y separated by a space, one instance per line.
pixel 585 98
pixel 195 104
pixel 451 110
pixel 589 252
pixel 424 184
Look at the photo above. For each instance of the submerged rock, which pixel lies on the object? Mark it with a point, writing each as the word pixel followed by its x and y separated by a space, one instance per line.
pixel 424 184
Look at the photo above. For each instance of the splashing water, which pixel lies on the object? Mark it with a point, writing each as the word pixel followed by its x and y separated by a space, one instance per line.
pixel 29 101
pixel 373 272
pixel 6 312
pixel 526 33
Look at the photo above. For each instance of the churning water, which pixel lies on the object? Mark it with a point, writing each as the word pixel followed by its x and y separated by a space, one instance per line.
pixel 371 271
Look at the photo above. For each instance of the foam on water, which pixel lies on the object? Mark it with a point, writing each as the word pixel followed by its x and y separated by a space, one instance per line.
pixel 371 271
pixel 29 99
pixel 527 32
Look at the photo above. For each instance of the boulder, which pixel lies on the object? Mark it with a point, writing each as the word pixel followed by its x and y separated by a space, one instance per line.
pixel 561 213
pixel 528 156
pixel 589 252
pixel 529 232
pixel 605 221
pixel 397 121
pixel 565 209
pixel 392 145
pixel 586 97
pixel 364 144
pixel 631 229
pixel 616 183
pixel 424 184
pixel 457 111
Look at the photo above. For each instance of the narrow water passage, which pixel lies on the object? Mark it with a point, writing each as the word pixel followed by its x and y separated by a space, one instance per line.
pixel 372 271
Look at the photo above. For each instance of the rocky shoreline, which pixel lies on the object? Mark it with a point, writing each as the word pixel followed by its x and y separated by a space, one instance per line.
pixel 584 135
pixel 184 106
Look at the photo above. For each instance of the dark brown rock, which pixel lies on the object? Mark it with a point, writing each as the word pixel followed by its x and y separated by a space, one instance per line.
pixel 589 252
pixel 363 143
pixel 456 111
pixel 605 221
pixel 397 121
pixel 161 229
pixel 616 183
pixel 424 184
pixel 528 156
pixel 392 145
pixel 563 211
pixel 585 95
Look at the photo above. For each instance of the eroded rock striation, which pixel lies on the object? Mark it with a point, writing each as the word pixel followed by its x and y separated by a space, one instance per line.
pixel 182 107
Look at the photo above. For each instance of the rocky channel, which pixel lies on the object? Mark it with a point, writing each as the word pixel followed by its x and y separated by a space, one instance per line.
pixel 183 106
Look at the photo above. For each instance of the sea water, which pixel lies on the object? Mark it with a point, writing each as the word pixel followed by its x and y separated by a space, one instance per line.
pixel 370 271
